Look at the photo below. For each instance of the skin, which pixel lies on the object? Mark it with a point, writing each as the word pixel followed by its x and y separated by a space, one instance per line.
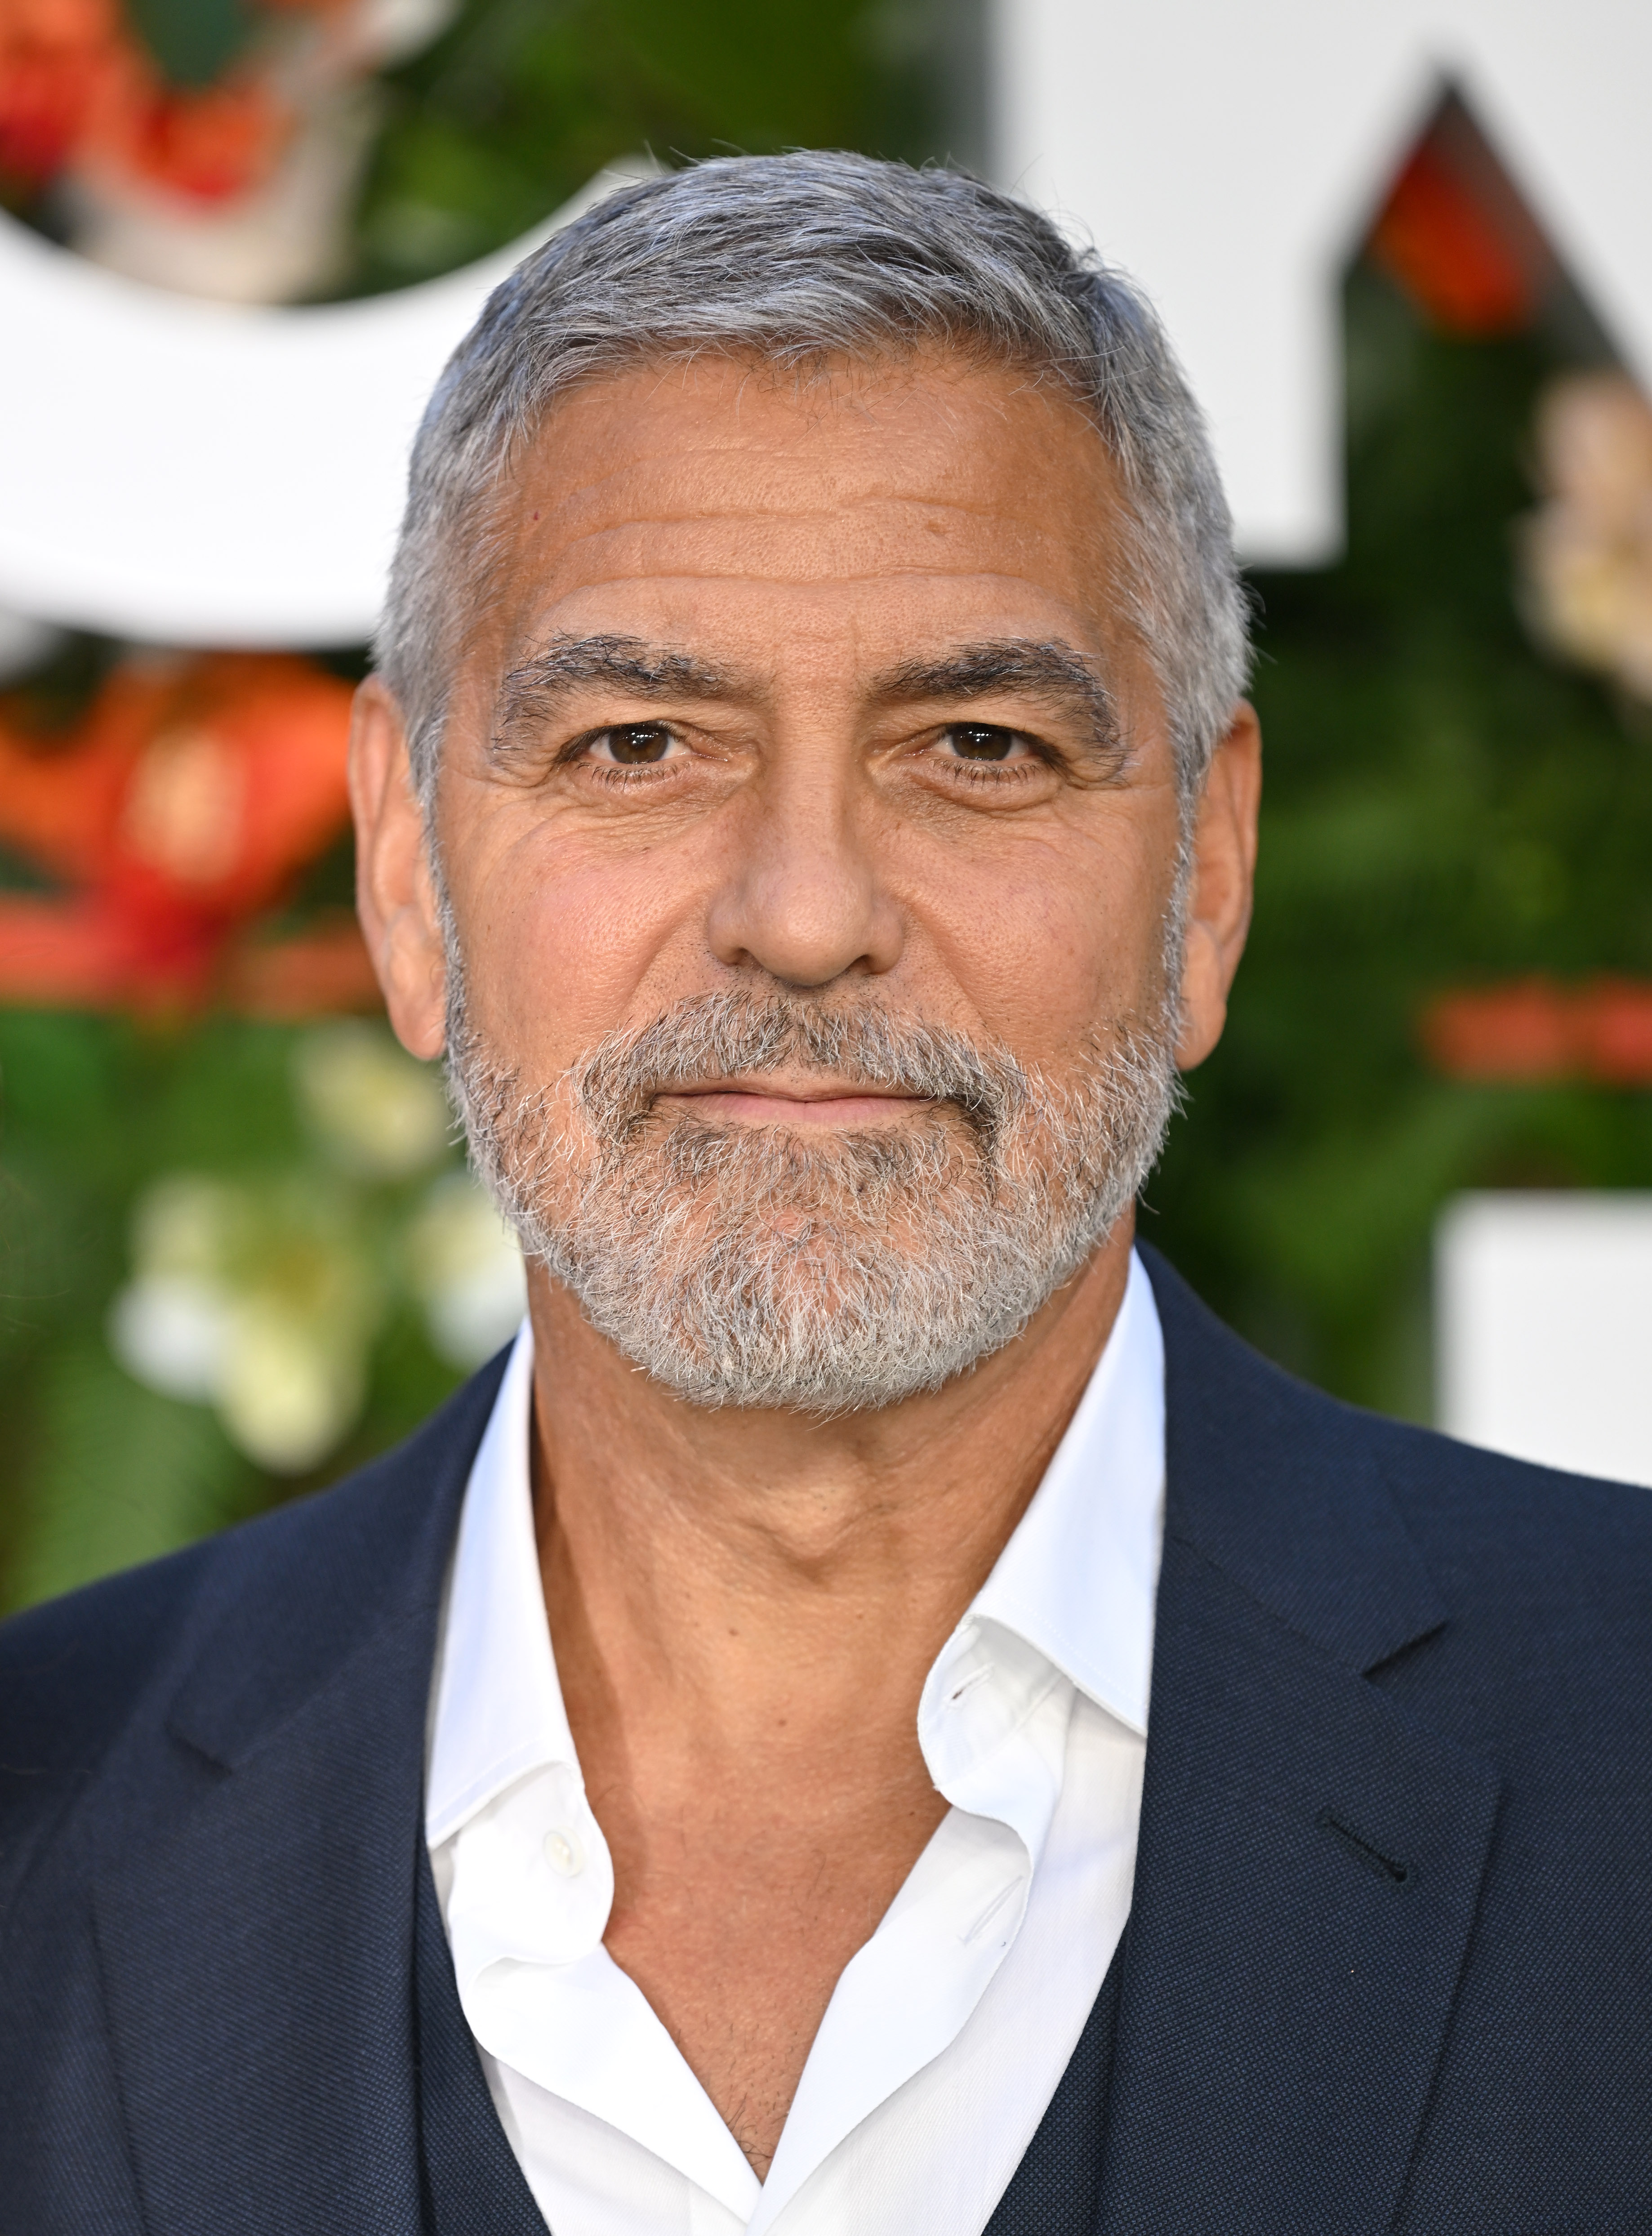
pixel 744 1604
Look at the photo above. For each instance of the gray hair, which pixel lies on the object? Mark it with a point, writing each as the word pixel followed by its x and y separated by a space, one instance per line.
pixel 800 260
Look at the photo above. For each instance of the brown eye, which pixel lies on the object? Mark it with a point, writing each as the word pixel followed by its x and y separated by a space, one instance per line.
pixel 981 741
pixel 637 743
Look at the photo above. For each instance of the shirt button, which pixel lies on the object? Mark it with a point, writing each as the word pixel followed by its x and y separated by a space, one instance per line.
pixel 564 1852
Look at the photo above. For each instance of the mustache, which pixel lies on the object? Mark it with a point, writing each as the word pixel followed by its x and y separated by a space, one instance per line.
pixel 716 1035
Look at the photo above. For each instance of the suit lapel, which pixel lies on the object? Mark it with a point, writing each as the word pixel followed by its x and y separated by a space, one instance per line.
pixel 256 1941
pixel 1310 1856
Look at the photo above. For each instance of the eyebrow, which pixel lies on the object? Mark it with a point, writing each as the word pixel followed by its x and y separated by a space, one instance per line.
pixel 530 691
pixel 1050 669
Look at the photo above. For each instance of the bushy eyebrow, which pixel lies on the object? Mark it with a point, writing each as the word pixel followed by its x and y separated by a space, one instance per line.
pixel 530 691
pixel 1050 669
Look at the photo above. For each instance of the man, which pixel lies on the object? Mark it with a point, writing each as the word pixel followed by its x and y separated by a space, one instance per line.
pixel 709 1779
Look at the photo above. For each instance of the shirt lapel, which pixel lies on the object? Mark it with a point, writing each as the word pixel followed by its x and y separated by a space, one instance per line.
pixel 1310 1854
pixel 256 1936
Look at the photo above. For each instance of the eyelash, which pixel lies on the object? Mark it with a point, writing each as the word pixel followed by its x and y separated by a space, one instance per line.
pixel 993 774
pixel 612 775
pixel 614 779
pixel 968 775
pixel 996 775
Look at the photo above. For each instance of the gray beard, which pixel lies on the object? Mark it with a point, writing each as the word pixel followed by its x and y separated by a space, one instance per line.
pixel 755 1266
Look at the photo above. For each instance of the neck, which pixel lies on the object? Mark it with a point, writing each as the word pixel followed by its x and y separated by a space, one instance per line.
pixel 716 1554
pixel 744 1606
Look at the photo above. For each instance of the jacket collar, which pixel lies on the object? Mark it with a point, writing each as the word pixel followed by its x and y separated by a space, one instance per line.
pixel 1280 1487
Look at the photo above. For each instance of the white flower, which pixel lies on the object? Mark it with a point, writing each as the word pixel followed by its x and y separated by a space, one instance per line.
pixel 258 1299
pixel 170 1331
pixel 1588 554
pixel 189 1225
pixel 376 1111
pixel 288 1390
pixel 466 1269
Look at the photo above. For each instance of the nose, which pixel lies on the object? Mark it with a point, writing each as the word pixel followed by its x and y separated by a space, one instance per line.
pixel 804 900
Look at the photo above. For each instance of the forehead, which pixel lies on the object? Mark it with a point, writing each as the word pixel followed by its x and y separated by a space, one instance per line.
pixel 931 494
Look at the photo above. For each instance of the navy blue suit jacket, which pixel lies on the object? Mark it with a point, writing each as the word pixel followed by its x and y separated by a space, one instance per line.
pixel 1389 1964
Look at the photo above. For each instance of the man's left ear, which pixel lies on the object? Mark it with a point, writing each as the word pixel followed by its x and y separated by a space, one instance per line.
pixel 1223 879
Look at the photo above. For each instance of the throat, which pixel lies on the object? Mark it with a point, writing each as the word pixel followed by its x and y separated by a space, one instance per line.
pixel 737 1919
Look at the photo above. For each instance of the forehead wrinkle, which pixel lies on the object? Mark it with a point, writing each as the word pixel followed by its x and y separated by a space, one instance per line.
pixel 587 519
pixel 1050 668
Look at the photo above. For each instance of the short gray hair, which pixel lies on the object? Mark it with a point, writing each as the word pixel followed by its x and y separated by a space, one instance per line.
pixel 798 260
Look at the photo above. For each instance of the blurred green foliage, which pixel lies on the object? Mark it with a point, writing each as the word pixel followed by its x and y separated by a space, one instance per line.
pixel 520 102
pixel 95 1470
pixel 1444 806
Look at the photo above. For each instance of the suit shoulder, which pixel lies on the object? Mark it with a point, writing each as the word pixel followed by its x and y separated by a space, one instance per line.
pixel 77 1671
pixel 1484 1518
pixel 1277 1464
pixel 72 1670
pixel 69 1669
pixel 1457 1485
pixel 1478 1509
pixel 1540 1568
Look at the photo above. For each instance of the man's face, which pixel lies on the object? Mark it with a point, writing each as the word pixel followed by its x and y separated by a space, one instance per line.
pixel 806 556
pixel 799 732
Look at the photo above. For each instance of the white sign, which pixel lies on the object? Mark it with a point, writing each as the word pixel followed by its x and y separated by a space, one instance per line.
pixel 1544 1328
pixel 203 473
pixel 1232 158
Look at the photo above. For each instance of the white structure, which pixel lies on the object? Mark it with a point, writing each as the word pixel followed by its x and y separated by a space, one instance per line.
pixel 207 473
pixel 1233 157
pixel 1544 1328
pixel 199 473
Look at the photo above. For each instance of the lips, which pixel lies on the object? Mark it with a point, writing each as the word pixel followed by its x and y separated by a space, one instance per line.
pixel 768 1104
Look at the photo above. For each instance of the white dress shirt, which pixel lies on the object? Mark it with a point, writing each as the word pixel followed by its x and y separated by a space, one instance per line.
pixel 949 2031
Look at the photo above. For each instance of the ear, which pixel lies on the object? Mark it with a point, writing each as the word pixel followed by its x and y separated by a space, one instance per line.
pixel 1223 878
pixel 394 891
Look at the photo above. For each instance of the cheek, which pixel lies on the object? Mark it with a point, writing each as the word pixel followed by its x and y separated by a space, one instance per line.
pixel 1046 942
pixel 564 944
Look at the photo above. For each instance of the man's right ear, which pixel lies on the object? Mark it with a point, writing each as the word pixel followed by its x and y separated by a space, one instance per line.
pixel 395 890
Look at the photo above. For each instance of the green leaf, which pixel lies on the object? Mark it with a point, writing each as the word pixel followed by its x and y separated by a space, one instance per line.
pixel 192 41
pixel 123 1476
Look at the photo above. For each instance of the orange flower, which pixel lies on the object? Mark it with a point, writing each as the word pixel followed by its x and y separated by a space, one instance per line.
pixel 63 62
pixel 77 85
pixel 208 145
pixel 192 793
pixel 1456 234
pixel 1533 1031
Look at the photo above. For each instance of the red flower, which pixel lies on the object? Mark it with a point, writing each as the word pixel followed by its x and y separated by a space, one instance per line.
pixel 77 85
pixel 1456 234
pixel 192 793
pixel 62 64
pixel 1535 1031
pixel 208 144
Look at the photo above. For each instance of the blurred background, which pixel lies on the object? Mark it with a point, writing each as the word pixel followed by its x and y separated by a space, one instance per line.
pixel 238 1250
